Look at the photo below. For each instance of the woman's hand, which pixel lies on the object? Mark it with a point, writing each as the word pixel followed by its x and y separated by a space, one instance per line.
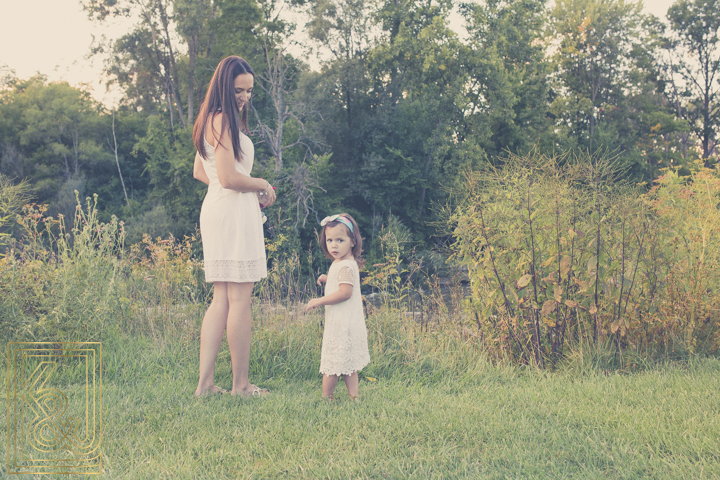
pixel 322 279
pixel 267 197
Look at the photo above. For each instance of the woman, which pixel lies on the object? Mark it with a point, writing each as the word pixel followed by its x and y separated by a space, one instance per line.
pixel 230 222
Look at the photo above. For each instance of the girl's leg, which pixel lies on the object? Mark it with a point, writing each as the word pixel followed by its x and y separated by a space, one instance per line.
pixel 329 382
pixel 211 334
pixel 239 334
pixel 352 384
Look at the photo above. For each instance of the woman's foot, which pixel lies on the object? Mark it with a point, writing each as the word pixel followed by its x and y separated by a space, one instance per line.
pixel 251 391
pixel 211 390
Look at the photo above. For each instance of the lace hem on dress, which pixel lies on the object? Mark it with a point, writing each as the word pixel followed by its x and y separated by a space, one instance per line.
pixel 237 271
pixel 342 357
pixel 341 373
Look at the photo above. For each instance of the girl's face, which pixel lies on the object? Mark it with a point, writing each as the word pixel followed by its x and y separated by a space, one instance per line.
pixel 243 89
pixel 338 243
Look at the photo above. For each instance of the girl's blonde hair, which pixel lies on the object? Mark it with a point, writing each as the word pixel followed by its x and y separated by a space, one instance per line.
pixel 354 234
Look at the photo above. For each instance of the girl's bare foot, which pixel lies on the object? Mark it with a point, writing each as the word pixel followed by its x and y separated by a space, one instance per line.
pixel 211 390
pixel 251 391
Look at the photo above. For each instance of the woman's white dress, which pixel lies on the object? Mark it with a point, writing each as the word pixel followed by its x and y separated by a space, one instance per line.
pixel 231 225
pixel 344 344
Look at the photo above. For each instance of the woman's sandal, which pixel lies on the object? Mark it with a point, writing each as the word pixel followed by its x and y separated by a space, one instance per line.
pixel 255 392
pixel 259 392
pixel 213 390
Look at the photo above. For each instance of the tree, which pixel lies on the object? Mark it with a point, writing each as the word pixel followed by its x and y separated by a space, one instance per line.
pixel 173 49
pixel 695 58
pixel 596 40
pixel 508 92
pixel 418 79
pixel 606 79
pixel 277 80
pixel 151 39
pixel 341 27
pixel 58 139
pixel 170 156
pixel 57 132
pixel 193 19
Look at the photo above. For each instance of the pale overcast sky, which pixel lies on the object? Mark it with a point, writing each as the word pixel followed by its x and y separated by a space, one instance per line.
pixel 53 37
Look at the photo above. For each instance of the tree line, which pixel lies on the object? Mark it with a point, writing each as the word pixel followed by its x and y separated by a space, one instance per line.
pixel 401 107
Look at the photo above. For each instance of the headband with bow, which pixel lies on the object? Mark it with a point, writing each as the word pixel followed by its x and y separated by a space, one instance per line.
pixel 338 218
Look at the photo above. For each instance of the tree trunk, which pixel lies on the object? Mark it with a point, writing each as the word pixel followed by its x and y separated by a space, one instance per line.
pixel 117 161
pixel 192 54
pixel 173 73
pixel 707 128
pixel 424 189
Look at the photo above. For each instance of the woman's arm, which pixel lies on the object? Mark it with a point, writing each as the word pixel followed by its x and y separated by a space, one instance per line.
pixel 225 162
pixel 199 170
pixel 342 294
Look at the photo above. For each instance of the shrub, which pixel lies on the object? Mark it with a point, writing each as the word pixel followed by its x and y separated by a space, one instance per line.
pixel 687 211
pixel 558 249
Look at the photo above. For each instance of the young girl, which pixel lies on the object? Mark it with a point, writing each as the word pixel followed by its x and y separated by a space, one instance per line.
pixel 344 346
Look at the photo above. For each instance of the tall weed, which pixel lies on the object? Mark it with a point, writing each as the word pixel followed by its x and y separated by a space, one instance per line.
pixel 60 285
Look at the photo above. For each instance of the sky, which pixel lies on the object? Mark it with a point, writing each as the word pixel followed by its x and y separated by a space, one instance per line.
pixel 53 37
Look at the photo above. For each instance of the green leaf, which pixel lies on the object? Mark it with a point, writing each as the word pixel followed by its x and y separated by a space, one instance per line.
pixel 592 264
pixel 523 281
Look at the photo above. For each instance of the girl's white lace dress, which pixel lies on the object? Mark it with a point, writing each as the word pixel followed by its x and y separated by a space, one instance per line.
pixel 344 345
pixel 231 225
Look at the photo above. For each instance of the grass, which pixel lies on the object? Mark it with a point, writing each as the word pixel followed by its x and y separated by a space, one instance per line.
pixel 433 405
pixel 437 409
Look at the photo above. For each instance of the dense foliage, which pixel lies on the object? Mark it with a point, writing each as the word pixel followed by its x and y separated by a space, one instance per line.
pixel 401 105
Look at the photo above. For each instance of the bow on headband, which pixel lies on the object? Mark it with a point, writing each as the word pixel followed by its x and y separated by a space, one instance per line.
pixel 337 218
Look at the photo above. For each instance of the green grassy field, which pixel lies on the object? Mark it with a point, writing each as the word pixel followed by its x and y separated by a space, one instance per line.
pixel 437 409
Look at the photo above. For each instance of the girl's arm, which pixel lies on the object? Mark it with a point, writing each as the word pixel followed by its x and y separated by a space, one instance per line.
pixel 199 170
pixel 342 294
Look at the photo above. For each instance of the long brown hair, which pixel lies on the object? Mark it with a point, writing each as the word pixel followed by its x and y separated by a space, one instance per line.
pixel 355 235
pixel 220 98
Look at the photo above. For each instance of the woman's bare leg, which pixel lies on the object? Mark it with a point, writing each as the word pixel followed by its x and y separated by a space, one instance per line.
pixel 239 335
pixel 328 386
pixel 211 334
pixel 352 384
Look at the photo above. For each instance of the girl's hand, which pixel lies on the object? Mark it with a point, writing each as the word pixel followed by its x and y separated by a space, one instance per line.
pixel 322 279
pixel 314 303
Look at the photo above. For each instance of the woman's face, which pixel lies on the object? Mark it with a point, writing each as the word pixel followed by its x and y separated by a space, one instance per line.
pixel 243 89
